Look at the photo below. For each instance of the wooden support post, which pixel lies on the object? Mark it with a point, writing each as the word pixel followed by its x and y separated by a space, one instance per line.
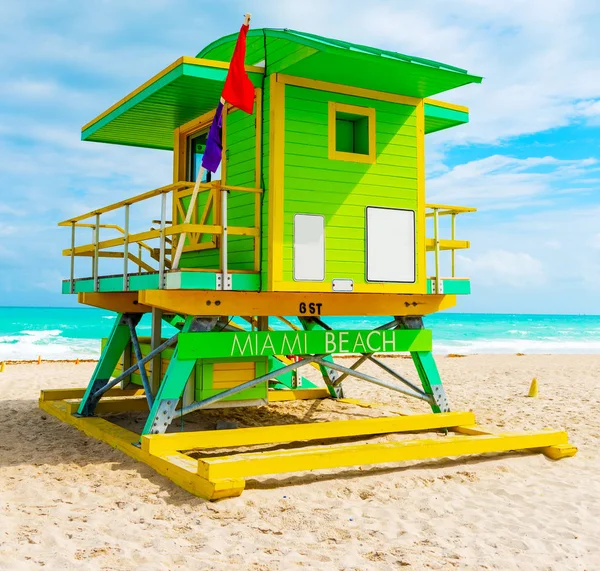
pixel 117 341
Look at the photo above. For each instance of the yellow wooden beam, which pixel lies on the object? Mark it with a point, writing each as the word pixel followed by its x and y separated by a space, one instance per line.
pixel 119 302
pixel 132 200
pixel 555 452
pixel 176 63
pixel 196 302
pixel 447 244
pixel 110 405
pixel 347 89
pixel 297 394
pixel 339 456
pixel 62 394
pixel 446 105
pixel 160 444
pixel 180 469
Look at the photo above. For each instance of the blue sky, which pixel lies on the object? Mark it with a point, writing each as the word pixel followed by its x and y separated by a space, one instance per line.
pixel 529 160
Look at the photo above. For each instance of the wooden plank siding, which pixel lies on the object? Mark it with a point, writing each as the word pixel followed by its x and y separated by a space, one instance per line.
pixel 240 154
pixel 341 190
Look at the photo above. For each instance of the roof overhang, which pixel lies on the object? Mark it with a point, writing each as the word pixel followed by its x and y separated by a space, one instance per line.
pixel 147 117
pixel 190 87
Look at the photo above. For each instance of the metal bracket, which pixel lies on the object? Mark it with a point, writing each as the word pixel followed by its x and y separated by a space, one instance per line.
pixel 437 285
pixel 227 285
pixel 440 398
pixel 164 416
pixel 91 402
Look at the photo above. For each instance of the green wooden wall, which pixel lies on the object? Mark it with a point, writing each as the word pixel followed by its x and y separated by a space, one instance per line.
pixel 240 171
pixel 341 190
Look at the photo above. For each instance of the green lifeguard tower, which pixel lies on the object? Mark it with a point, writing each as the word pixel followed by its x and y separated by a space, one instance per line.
pixel 319 210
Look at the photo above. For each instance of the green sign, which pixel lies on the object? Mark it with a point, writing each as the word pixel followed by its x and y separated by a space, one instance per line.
pixel 267 343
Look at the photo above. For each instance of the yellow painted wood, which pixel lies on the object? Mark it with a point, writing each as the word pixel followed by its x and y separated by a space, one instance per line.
pixel 258 179
pixel 333 153
pixel 180 469
pixel 298 394
pixel 421 278
pixel 62 394
pixel 119 302
pixel 446 210
pixel 447 244
pixel 446 105
pixel 163 443
pixel 276 181
pixel 555 452
pixel 559 451
pixel 134 199
pixel 110 405
pixel 338 456
pixel 190 302
pixel 229 375
pixel 347 90
pixel 324 287
pixel 177 62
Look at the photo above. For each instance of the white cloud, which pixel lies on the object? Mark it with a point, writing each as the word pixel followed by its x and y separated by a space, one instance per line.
pixel 501 267
pixel 504 182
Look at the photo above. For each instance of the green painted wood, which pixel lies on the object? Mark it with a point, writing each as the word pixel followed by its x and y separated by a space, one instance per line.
pixel 452 286
pixel 428 373
pixel 241 171
pixel 438 118
pixel 205 388
pixel 343 62
pixel 342 190
pixel 263 343
pixel 173 383
pixel 143 281
pixel 149 118
pixel 245 282
pixel 117 341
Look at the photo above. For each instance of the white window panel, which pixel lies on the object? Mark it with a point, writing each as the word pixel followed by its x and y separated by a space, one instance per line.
pixel 390 245
pixel 309 248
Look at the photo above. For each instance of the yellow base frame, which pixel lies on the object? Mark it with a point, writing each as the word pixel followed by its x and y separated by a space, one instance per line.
pixel 218 477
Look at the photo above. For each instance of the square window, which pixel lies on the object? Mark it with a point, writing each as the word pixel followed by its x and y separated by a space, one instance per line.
pixel 351 133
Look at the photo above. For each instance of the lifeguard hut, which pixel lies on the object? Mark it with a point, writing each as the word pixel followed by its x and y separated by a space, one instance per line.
pixel 319 210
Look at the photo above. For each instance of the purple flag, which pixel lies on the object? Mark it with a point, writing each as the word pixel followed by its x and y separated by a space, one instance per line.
pixel 214 144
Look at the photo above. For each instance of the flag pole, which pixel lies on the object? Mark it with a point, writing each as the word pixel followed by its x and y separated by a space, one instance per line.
pixel 192 205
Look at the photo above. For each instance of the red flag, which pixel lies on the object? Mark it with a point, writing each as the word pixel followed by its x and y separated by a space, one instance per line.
pixel 238 90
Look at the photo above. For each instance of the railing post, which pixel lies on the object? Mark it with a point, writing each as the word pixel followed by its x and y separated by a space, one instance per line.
pixel 126 251
pixel 96 251
pixel 161 257
pixel 72 281
pixel 139 258
pixel 453 237
pixel 436 239
pixel 225 277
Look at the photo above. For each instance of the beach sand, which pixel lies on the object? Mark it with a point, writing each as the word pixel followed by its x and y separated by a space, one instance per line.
pixel 70 502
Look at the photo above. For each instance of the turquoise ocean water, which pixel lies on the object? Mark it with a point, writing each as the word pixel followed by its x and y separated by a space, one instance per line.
pixel 59 333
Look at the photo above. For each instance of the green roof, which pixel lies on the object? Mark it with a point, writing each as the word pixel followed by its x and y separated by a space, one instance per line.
pixel 191 87
pixel 315 57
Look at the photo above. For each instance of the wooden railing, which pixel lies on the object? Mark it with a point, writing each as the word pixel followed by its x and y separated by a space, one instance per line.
pixel 167 234
pixel 436 244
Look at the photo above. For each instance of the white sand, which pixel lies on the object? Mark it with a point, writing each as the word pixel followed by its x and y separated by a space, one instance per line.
pixel 69 502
